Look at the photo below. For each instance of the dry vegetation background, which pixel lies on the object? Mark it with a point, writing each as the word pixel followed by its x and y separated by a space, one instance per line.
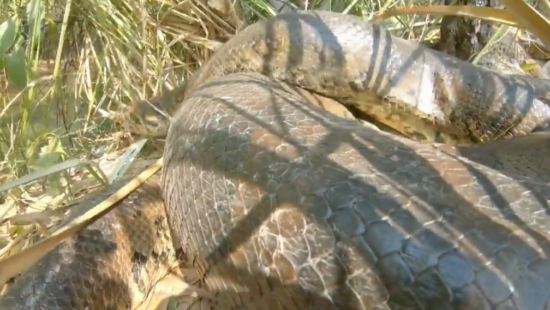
pixel 77 65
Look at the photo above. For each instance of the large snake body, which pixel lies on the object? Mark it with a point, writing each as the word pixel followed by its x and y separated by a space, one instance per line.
pixel 289 207
pixel 112 264
pixel 422 93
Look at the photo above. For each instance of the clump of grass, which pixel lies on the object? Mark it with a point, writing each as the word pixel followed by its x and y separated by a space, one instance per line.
pixel 74 66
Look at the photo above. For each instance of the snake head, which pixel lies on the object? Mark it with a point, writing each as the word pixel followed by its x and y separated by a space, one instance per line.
pixel 151 117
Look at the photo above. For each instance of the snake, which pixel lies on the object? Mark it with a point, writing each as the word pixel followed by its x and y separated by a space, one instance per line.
pixel 284 205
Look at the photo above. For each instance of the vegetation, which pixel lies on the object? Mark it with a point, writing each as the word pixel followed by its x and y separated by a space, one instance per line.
pixel 69 70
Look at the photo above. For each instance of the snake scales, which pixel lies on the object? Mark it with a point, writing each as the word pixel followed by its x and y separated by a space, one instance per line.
pixel 291 207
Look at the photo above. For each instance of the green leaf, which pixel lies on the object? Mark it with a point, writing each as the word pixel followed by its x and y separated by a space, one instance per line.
pixel 16 67
pixel 8 31
pixel 35 15
pixel 172 304
pixel 2 62
pixel 126 160
pixel 42 173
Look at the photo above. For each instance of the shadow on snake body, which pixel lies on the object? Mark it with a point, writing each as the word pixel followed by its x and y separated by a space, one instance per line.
pixel 293 208
pixel 363 218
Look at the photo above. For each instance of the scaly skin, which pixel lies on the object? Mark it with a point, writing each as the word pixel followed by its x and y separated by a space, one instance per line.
pixel 112 264
pixel 292 208
pixel 289 207
pixel 424 94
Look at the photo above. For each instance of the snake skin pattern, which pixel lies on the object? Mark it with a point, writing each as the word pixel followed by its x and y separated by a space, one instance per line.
pixel 286 206
pixel 292 208
pixel 424 94
pixel 112 264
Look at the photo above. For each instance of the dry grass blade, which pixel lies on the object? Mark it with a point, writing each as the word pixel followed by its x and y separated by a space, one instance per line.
pixel 20 262
pixel 528 18
pixel 489 14
pixel 41 217
pixel 501 31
